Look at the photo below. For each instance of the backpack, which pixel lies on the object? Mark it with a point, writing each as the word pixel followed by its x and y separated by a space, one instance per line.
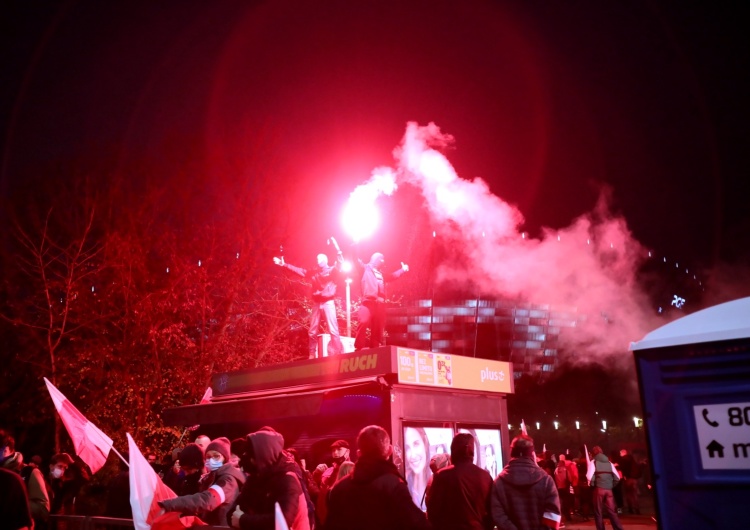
pixel 562 481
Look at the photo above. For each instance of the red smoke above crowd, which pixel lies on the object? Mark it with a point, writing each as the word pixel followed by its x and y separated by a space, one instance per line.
pixel 589 266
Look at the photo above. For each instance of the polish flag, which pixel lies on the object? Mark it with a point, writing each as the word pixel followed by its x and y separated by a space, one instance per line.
pixel 91 444
pixel 551 520
pixel 208 395
pixel 590 466
pixel 146 489
pixel 523 428
pixel 280 520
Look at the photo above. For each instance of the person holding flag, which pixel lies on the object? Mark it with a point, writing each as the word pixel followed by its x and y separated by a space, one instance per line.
pixel 604 477
pixel 218 489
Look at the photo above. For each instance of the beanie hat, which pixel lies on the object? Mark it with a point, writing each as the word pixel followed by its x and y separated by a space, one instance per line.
pixel 237 447
pixel 439 461
pixel 191 456
pixel 221 446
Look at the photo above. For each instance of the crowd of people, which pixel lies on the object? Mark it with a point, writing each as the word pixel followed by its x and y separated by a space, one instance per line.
pixel 238 483
pixel 32 493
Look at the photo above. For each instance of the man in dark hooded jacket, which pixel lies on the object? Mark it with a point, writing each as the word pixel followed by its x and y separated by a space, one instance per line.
pixel 374 496
pixel 524 496
pixel 272 477
pixel 459 497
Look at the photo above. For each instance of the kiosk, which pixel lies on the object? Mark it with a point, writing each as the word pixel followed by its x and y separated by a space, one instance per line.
pixel 694 377
pixel 420 397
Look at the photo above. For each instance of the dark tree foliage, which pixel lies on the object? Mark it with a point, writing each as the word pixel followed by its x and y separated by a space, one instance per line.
pixel 128 298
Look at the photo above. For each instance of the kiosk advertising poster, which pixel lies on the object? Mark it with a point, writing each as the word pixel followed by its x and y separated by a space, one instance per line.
pixel 442 370
pixel 420 445
pixel 487 454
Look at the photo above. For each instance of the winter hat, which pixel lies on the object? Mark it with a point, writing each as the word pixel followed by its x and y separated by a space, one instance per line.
pixel 340 443
pixel 191 456
pixel 222 446
pixel 439 461
pixel 237 447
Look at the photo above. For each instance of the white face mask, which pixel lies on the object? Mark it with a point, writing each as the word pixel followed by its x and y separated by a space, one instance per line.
pixel 57 472
pixel 214 463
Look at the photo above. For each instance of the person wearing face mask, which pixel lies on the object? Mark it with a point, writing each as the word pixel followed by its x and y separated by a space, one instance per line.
pixel 323 279
pixel 57 467
pixel 218 489
pixel 340 453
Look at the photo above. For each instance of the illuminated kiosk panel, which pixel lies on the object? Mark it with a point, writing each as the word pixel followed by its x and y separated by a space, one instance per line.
pixel 315 402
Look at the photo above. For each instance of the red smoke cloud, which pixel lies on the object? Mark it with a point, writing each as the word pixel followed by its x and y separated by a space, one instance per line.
pixel 590 266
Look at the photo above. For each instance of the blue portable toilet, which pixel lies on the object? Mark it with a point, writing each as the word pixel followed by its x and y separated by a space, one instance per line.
pixel 694 379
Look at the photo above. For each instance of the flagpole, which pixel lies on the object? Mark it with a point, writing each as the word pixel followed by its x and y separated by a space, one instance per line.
pixel 121 457
pixel 181 437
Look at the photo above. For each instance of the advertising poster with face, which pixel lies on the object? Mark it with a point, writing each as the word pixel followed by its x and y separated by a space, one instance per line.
pixel 420 445
pixel 487 453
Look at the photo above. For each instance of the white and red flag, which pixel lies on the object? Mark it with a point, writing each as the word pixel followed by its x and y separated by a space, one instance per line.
pixel 279 519
pixel 146 489
pixel 523 428
pixel 590 466
pixel 207 397
pixel 91 444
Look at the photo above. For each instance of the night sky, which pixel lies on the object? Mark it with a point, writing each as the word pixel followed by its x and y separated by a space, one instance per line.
pixel 547 102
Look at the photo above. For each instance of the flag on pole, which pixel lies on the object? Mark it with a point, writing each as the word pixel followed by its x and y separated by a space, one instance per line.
pixel 146 489
pixel 523 428
pixel 91 444
pixel 280 519
pixel 590 466
pixel 207 397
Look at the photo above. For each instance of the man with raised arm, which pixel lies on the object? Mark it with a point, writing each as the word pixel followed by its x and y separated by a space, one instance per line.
pixel 323 279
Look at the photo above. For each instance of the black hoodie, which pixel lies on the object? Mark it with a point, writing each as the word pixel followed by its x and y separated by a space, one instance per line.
pixel 274 479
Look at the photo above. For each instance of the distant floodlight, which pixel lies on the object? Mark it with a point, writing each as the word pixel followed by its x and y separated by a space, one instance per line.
pixel 346 266
pixel 578 425
pixel 604 425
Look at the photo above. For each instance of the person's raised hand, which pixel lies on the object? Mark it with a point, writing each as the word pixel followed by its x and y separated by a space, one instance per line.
pixel 404 267
pixel 236 516
pixel 279 261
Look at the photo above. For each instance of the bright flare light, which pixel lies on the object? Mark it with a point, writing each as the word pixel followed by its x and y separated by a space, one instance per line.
pixel 346 266
pixel 360 219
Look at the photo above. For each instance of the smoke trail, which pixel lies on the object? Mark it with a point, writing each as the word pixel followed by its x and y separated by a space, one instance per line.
pixel 590 266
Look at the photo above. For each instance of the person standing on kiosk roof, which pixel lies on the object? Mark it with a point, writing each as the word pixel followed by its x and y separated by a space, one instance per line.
pixel 372 309
pixel 323 279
